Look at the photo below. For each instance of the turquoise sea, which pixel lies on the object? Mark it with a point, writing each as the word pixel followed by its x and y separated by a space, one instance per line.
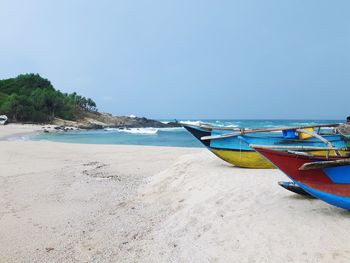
pixel 178 137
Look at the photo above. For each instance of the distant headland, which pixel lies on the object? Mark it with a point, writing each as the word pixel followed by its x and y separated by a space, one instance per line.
pixel 29 98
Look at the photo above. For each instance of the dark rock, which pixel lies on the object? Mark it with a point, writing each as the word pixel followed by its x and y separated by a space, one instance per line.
pixel 97 120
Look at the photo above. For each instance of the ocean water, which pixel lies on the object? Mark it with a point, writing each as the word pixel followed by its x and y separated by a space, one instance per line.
pixel 178 137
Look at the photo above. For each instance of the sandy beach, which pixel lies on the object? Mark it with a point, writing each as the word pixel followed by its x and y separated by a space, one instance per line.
pixel 111 203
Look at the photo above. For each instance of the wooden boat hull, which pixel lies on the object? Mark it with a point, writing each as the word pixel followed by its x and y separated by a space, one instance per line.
pixel 236 150
pixel 331 185
pixel 237 157
pixel 244 159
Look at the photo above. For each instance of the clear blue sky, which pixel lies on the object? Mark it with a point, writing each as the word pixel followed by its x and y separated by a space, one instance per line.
pixel 187 59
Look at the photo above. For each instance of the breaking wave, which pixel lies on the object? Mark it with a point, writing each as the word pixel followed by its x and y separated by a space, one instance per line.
pixel 144 131
pixel 192 122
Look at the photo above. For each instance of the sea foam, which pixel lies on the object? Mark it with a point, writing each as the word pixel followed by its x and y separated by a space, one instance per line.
pixel 144 131
pixel 192 122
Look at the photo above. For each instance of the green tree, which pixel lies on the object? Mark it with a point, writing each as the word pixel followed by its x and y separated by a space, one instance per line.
pixel 30 97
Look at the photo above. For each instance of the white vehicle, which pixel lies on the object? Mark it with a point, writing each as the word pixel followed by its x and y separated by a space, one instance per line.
pixel 3 119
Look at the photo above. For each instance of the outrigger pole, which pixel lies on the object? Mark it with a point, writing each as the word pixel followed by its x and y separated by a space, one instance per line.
pixel 295 147
pixel 324 164
pixel 243 131
pixel 314 134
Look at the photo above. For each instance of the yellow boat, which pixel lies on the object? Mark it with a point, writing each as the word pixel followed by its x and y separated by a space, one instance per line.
pixel 245 159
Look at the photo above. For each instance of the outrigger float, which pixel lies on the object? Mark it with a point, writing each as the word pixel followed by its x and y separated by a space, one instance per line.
pixel 232 144
pixel 294 188
pixel 325 178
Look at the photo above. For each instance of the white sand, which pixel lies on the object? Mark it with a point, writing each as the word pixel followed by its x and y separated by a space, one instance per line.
pixel 99 203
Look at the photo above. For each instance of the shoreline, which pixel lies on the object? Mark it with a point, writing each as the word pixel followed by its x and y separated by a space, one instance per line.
pixel 27 132
pixel 14 129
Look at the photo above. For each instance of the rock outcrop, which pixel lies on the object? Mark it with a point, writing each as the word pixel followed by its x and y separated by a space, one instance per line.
pixel 96 120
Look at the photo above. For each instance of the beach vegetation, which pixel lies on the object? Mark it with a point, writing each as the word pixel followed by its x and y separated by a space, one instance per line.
pixel 31 98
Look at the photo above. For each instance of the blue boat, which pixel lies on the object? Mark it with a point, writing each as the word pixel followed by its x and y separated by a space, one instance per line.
pixel 235 149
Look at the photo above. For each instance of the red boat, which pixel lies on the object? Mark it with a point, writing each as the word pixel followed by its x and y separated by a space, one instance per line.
pixel 325 178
